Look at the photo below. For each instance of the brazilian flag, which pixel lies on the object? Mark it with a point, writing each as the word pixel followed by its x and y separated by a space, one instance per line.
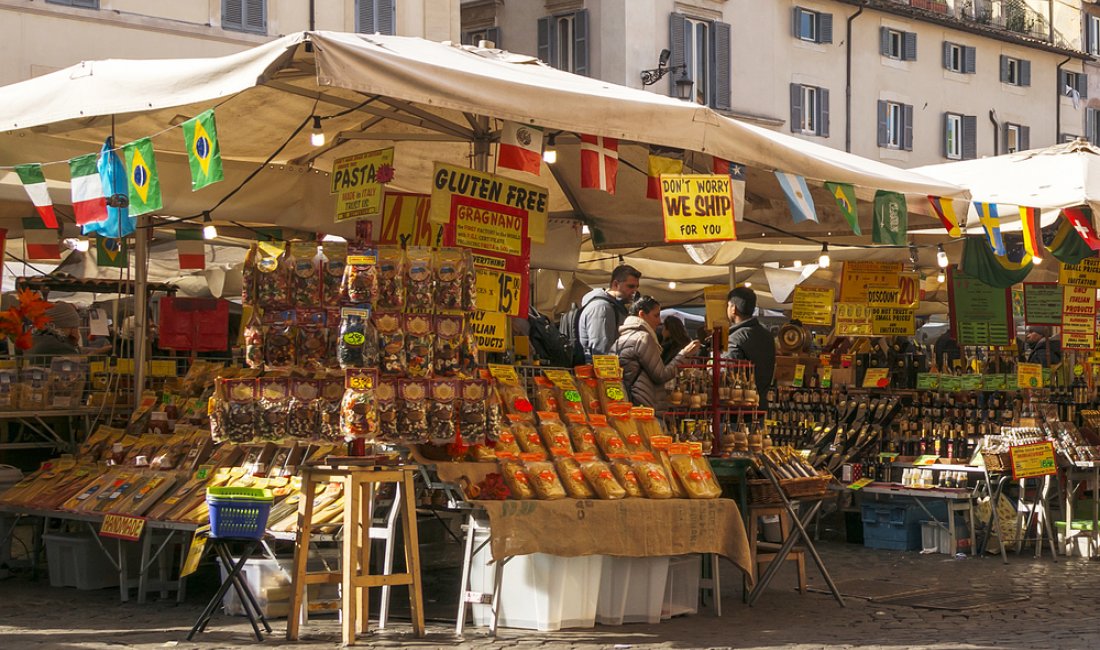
pixel 200 136
pixel 111 252
pixel 141 173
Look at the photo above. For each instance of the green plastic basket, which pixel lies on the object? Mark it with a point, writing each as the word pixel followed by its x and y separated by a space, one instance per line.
pixel 239 493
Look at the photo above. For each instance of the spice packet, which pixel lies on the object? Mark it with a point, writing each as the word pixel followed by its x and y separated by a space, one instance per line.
pixel 361 277
pixel 418 279
pixel 391 343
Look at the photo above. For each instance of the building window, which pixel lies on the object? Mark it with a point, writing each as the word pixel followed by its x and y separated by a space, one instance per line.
pixel 1075 82
pixel 563 41
pixel 1092 34
pixel 475 36
pixel 1015 72
pixel 375 17
pixel 1092 126
pixel 87 4
pixel 245 15
pixel 703 48
pixel 813 26
pixel 960 136
pixel 809 110
pixel 1017 137
pixel 897 44
pixel 958 58
pixel 895 125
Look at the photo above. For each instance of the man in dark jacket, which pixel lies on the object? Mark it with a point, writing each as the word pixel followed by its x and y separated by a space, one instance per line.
pixel 604 310
pixel 750 340
pixel 1041 348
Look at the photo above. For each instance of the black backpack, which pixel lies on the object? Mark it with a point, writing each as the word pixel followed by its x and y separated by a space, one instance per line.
pixel 571 328
pixel 547 343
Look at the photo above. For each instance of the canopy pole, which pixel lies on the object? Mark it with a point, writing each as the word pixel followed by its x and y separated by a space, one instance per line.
pixel 481 144
pixel 141 304
pixel 733 276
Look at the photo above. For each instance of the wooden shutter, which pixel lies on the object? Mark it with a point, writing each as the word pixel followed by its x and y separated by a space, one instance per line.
pixel 909 46
pixel 946 56
pixel 946 130
pixel 823 112
pixel 883 134
pixel 796 108
pixel 1090 125
pixel 232 14
pixel 720 65
pixel 969 137
pixel 580 42
pixel 1025 72
pixel 493 34
pixel 547 46
pixel 677 31
pixel 796 22
pixel 1004 69
pixel 1025 138
pixel 969 58
pixel 255 16
pixel 884 41
pixel 824 28
pixel 1083 84
pixel 907 127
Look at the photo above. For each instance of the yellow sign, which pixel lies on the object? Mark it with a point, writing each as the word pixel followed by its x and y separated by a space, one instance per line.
pixel 826 373
pixel 1085 273
pixel 909 289
pixel 883 296
pixel 1029 375
pixel 491 330
pixel 486 229
pixel 606 366
pixel 449 181
pixel 122 527
pixel 499 291
pixel 1078 318
pixel 799 376
pixel 560 378
pixel 1030 461
pixel 714 297
pixel 697 207
pixel 853 319
pixel 504 374
pixel 858 276
pixel 194 555
pixel 893 321
pixel 356 184
pixel 162 368
pixel 405 221
pixel 876 378
pixel 860 484
pixel 813 305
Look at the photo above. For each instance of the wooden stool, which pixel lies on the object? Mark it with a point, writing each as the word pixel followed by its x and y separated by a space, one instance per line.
pixel 354 577
pixel 764 552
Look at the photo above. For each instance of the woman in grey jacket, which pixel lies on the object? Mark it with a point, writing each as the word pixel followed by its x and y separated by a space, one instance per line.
pixel 639 352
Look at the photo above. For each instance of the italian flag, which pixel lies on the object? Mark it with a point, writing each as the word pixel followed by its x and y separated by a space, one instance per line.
pixel 41 243
pixel 520 148
pixel 89 202
pixel 34 181
pixel 191 248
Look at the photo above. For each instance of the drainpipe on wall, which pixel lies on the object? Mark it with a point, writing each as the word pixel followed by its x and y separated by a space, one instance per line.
pixel 848 83
pixel 1058 99
pixel 996 132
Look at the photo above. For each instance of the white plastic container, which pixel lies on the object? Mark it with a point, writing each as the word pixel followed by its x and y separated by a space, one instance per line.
pixel 270 582
pixel 682 586
pixel 539 592
pixel 632 590
pixel 75 560
pixel 935 538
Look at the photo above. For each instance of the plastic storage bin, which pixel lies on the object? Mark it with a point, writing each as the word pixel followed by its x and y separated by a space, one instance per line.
pixel 682 586
pixel 632 590
pixel 75 560
pixel 935 538
pixel 538 591
pixel 897 526
pixel 270 582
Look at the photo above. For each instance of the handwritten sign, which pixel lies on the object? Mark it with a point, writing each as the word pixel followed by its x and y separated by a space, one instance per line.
pixel 813 305
pixel 357 184
pixel 697 208
pixel 1042 303
pixel 606 366
pixel 1078 318
pixel 122 527
pixel 1029 375
pixel 1030 461
pixel 876 378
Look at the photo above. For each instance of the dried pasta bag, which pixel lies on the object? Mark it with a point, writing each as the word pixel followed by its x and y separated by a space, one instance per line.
pixel 572 478
pixel 305 267
pixel 358 414
pixel 279 339
pixel 441 411
pixel 505 442
pixel 602 480
pixel 272 409
pixel 554 434
pixel 581 435
pixel 651 475
pixel 248 277
pixel 545 399
pixel 412 415
pixel 357 346
pixel 648 424
pixel 361 277
pixel 418 279
pixel 527 436
pixel 449 270
pixel 512 394
pixel 240 421
pixel 619 417
pixel 517 479
pixel 304 408
pixel 334 259
pixel 391 278
pixel 254 342
pixel 702 465
pixel 570 401
pixel 391 343
pixel 473 411
pixel 607 439
pixel 661 446
pixel 612 391
pixel 625 474
pixel 273 275
pixel 449 335
pixel 418 345
pixel 589 388
pixel 312 336
pixel 695 482
pixel 385 395
pixel 544 479
pixel 332 394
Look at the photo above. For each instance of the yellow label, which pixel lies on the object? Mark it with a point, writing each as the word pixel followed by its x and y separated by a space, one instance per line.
pixel 504 374
pixel 799 375
pixel 499 291
pixel 1085 273
pixel 826 376
pixel 607 366
pixel 876 378
pixel 853 319
pixel 813 305
pixel 194 554
pixel 356 184
pixel 490 330
pixel 1029 375
pixel 560 378
pixel 697 207
pixel 162 368
pixel 1029 461
pixel 856 277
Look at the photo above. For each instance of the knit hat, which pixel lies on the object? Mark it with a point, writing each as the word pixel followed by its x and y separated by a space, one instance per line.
pixel 63 316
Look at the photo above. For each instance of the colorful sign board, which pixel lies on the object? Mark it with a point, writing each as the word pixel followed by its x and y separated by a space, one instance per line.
pixel 490 329
pixel 980 314
pixel 450 183
pixel 856 277
pixel 697 208
pixel 1085 273
pixel 1033 460
pixel 358 184
pixel 1078 318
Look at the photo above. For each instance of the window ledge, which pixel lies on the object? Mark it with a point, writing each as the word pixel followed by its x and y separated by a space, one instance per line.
pixel 761 120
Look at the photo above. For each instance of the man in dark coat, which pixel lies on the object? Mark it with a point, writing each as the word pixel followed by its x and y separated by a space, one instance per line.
pixel 750 340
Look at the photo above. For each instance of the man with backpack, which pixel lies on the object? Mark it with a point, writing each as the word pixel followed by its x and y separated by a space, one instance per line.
pixel 596 323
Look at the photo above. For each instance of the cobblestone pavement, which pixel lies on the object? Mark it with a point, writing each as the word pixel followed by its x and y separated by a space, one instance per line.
pixel 1060 612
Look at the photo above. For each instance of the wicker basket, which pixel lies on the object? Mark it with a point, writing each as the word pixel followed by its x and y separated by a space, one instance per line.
pixel 762 491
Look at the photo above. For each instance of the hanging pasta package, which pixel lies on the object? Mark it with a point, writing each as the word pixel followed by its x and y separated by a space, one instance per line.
pixel 619 416
pixel 304 409
pixel 385 395
pixel 418 345
pixel 305 267
pixel 607 438
pixel 624 473
pixel 361 277
pixel 357 346
pixel 544 479
pixel 273 275
pixel 391 343
pixel 601 478
pixel 240 419
pixel 332 266
pixel 554 434
pixel 441 411
pixel 279 339
pixel 695 476
pixel 448 345
pixel 312 337
pixel 527 436
pixel 581 435
pixel 418 279
pixel 358 415
pixel 248 277
pixel 449 271
pixel 412 416
pixel 572 478
pixel 391 278
pixel 254 341
pixel 332 325
pixel 473 412
pixel 332 394
pixel 651 475
pixel 517 479
pixel 272 409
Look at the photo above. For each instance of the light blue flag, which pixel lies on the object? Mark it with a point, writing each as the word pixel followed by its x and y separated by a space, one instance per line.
pixel 118 223
pixel 798 196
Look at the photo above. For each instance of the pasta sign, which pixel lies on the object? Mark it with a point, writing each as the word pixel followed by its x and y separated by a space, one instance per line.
pixel 697 208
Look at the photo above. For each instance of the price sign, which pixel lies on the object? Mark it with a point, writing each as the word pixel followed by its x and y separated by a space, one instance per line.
pixel 860 484
pixel 928 381
pixel 876 378
pixel 500 291
pixel 504 374
pixel 1030 461
pixel 194 554
pixel 799 376
pixel 927 459
pixel 1029 375
pixel 607 366
pixel 122 527
pixel 826 376
pixel 813 305
pixel 360 379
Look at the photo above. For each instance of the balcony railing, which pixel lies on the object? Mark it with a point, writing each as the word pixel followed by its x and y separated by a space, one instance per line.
pixel 1009 15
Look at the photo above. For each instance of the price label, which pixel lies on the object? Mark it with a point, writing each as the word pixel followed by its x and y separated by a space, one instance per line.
pixel 1029 375
pixel 606 366
pixel 876 378
pixel 504 374
pixel 1029 461
pixel 827 377
pixel 860 484
pixel 799 376
pixel 499 291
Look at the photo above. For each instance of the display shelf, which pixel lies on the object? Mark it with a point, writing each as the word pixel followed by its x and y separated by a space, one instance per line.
pixel 707 411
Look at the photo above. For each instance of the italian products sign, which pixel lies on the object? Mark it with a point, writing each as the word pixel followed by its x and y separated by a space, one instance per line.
pixel 980 314
pixel 359 182
pixel 697 208
pixel 1078 318
pixel 1042 303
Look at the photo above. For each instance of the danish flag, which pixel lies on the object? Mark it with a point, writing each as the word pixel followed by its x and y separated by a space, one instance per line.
pixel 599 162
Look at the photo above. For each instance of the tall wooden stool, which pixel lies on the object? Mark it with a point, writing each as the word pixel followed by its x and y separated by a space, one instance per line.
pixel 359 484
pixel 764 552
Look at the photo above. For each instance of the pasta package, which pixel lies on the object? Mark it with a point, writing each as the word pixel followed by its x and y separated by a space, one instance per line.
pixel 441 411
pixel 505 442
pixel 358 411
pixel 620 418
pixel 648 424
pixel 360 284
pixel 544 479
pixel 273 409
pixel 527 436
pixel 554 434
pixel 449 271
pixel 607 439
pixel 517 479
pixel 511 392
pixel 304 409
pixel 391 278
pixel 272 275
pixel 651 475
pixel 305 273
pixel 661 446
pixel 418 345
pixel 581 435
pixel 385 395
pixel 391 343
pixel 602 480
pixel 695 475
pixel 449 332
pixel 545 399
pixel 412 416
pixel 332 276
pixel 612 391
pixel 569 399
pixel 572 478
pixel 627 477
pixel 357 346
pixel 312 336
pixel 418 279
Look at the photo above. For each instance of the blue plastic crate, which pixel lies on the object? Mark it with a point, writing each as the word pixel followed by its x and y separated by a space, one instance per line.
pixel 238 512
pixel 896 525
